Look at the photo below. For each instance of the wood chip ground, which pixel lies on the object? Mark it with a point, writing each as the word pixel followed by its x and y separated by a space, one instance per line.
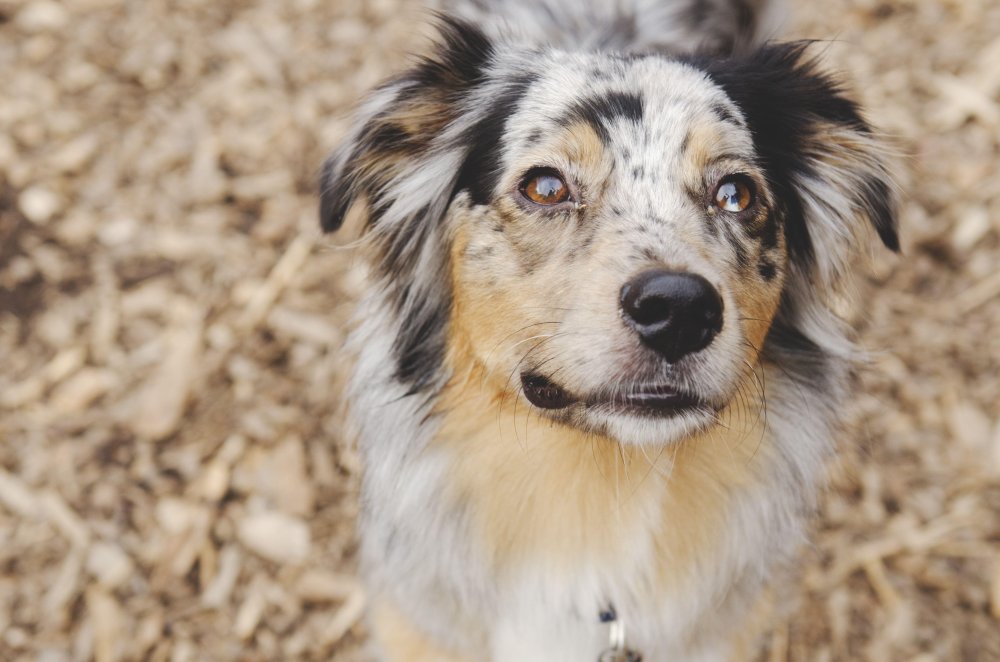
pixel 174 479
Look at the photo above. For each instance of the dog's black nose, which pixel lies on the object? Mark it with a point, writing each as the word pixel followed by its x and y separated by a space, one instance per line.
pixel 675 314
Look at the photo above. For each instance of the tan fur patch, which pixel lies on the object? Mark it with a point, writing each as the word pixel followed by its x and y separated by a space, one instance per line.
pixel 757 313
pixel 401 642
pixel 703 141
pixel 581 145
pixel 547 493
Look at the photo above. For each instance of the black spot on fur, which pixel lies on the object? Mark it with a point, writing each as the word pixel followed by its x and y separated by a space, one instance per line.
pixel 712 221
pixel 686 144
pixel 420 346
pixel 767 269
pixel 481 252
pixel 600 74
pixel 400 255
pixel 766 231
pixel 390 138
pixel 738 244
pixel 335 197
pixel 879 203
pixel 786 99
pixel 601 111
pixel 725 115
pixel 648 254
pixel 801 359
pixel 460 58
pixel 480 171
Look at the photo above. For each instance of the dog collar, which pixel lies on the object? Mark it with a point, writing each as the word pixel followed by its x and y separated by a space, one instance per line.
pixel 617 651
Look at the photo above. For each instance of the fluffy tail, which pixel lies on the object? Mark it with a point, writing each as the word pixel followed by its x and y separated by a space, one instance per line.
pixel 717 27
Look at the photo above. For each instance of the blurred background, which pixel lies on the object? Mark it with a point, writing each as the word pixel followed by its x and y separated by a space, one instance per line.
pixel 175 482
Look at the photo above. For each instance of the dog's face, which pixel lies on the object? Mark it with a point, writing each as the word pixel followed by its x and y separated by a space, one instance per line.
pixel 625 268
pixel 608 238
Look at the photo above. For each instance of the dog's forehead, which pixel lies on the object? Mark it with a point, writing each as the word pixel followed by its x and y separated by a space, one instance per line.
pixel 664 96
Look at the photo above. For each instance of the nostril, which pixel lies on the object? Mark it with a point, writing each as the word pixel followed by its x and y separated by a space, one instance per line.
pixel 643 304
pixel 651 310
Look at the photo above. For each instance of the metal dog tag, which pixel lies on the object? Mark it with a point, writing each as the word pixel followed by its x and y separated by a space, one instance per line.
pixel 620 655
pixel 617 652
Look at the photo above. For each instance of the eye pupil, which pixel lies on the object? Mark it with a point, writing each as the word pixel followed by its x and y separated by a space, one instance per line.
pixel 548 187
pixel 733 196
pixel 545 188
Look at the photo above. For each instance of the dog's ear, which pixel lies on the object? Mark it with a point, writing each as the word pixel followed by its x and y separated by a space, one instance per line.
pixel 418 141
pixel 826 165
pixel 394 147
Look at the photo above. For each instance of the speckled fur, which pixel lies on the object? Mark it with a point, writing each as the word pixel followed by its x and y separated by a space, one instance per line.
pixel 492 530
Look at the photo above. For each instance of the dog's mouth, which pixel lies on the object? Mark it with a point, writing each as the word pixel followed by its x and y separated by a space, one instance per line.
pixel 657 400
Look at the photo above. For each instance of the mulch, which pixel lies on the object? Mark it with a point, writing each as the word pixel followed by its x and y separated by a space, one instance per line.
pixel 175 481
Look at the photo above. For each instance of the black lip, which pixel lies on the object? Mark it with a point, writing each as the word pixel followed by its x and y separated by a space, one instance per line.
pixel 646 400
pixel 543 393
pixel 657 400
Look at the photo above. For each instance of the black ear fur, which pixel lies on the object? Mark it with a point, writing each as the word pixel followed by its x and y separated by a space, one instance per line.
pixel 400 119
pixel 403 158
pixel 336 195
pixel 792 108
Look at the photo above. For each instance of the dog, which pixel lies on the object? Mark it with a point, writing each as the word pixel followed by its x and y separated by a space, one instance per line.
pixel 599 368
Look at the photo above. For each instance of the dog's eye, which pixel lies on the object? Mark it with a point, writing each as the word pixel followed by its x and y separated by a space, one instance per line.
pixel 734 194
pixel 545 187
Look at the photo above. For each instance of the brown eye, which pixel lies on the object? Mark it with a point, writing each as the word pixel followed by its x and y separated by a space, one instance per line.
pixel 545 187
pixel 734 194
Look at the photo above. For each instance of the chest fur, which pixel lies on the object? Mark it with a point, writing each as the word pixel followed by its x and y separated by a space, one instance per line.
pixel 522 531
pixel 493 529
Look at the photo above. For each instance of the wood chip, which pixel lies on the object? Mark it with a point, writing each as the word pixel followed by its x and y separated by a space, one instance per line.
pixel 66 586
pixel 64 519
pixel 42 16
pixel 82 390
pixel 108 622
pixel 163 398
pixel 175 455
pixel 293 490
pixel 275 536
pixel 279 278
pixel 217 593
pixel 39 204
pixel 250 612
pixel 995 590
pixel 324 586
pixel 344 619
pixel 109 564
pixel 17 497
